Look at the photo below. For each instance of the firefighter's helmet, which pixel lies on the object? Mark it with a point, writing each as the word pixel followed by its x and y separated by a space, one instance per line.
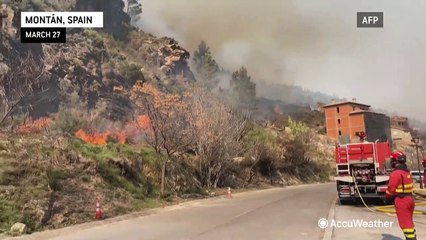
pixel 399 157
pixel 362 135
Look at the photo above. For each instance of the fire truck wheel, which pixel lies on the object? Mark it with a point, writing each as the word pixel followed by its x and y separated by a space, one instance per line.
pixel 345 201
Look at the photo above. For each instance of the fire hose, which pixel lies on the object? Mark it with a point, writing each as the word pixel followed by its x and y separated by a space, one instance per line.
pixel 388 210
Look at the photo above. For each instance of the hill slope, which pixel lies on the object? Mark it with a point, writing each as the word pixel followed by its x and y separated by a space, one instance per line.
pixel 82 122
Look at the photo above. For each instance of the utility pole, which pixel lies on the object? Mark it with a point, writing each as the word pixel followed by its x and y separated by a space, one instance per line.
pixel 416 141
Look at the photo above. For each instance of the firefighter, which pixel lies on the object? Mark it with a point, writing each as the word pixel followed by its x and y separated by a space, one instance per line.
pixel 424 173
pixel 400 189
pixel 362 137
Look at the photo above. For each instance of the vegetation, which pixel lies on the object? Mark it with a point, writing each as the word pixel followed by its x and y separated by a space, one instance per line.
pixel 27 78
pixel 206 66
pixel 124 121
pixel 132 73
pixel 243 90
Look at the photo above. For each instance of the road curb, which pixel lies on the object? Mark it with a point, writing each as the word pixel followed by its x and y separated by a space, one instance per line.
pixel 328 235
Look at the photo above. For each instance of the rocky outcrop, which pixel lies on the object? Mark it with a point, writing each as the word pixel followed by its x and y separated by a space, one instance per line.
pixel 18 229
pixel 94 64
pixel 166 54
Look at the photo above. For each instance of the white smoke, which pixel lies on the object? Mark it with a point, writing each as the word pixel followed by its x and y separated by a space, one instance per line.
pixel 314 44
pixel 152 20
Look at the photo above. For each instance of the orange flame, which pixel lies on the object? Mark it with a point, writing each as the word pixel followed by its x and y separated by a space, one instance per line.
pixel 143 122
pixel 93 138
pixel 121 137
pixel 35 126
pixel 101 138
pixel 97 138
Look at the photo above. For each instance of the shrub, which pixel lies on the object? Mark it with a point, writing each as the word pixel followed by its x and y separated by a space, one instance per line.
pixel 54 179
pixel 9 215
pixel 30 222
pixel 112 175
pixel 96 37
pixel 69 121
pixel 132 73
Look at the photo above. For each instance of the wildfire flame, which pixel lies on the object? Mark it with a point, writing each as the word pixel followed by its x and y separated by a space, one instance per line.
pixel 101 138
pixel 93 138
pixel 34 126
pixel 143 122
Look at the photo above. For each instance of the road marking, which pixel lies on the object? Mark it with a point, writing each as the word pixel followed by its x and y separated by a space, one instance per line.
pixel 328 235
pixel 242 214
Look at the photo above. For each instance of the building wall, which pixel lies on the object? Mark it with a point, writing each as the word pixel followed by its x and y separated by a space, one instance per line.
pixel 357 125
pixel 400 122
pixel 336 130
pixel 377 127
pixel 401 135
pixel 401 138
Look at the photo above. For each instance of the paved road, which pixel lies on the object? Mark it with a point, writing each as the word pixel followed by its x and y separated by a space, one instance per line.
pixel 285 213
pixel 381 232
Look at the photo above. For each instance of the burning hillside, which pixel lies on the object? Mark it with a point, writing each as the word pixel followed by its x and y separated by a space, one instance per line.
pixel 138 127
pixel 101 138
pixel 34 126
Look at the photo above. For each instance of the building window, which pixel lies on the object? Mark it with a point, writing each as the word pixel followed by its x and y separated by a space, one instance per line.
pixel 353 108
pixel 338 121
pixel 340 133
pixel 338 110
pixel 356 133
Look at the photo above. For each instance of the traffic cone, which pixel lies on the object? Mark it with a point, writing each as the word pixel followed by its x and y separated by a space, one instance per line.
pixel 229 193
pixel 98 210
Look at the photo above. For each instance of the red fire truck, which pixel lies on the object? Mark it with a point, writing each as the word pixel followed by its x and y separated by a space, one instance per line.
pixel 367 165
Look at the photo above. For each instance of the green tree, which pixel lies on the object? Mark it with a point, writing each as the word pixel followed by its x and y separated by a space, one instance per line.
pixel 205 65
pixel 262 153
pixel 202 50
pixel 243 90
pixel 299 130
pixel 303 156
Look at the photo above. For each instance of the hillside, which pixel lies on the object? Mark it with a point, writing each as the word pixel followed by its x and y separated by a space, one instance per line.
pixel 118 115
pixel 291 94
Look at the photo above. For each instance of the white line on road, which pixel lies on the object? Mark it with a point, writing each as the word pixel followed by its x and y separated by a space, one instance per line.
pixel 328 235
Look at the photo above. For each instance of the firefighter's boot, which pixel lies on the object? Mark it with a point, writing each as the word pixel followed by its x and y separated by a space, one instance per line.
pixel 410 233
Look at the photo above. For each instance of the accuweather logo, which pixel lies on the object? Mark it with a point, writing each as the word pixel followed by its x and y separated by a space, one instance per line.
pixel 322 223
pixel 354 223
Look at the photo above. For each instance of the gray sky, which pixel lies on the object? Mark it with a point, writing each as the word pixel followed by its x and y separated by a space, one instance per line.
pixel 310 43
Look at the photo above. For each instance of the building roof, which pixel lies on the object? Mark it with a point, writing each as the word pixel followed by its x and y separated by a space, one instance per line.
pixel 345 103
pixel 399 118
pixel 364 111
pixel 357 112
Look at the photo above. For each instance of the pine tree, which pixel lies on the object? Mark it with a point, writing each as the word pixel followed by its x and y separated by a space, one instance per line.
pixel 243 90
pixel 205 65
pixel 203 49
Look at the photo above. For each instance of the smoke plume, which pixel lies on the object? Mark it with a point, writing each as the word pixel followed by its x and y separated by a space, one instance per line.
pixel 314 44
